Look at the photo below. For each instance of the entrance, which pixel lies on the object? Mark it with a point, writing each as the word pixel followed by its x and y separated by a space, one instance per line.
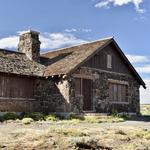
pixel 87 94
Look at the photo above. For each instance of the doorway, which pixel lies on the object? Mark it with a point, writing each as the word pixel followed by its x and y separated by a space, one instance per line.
pixel 84 87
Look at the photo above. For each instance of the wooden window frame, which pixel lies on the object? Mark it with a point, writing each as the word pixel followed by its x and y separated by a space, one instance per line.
pixel 119 83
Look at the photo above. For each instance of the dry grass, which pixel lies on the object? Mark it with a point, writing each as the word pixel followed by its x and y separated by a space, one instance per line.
pixel 96 133
pixel 145 109
pixel 67 135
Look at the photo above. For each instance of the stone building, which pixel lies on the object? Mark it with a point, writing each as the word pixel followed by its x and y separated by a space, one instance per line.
pixel 91 77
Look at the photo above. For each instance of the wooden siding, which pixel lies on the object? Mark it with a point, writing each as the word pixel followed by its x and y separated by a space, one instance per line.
pixel 99 61
pixel 16 87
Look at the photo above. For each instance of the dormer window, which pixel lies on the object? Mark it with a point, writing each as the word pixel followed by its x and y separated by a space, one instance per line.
pixel 109 61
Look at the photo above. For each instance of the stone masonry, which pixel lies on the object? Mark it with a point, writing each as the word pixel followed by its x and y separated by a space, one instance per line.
pixel 30 45
pixel 100 99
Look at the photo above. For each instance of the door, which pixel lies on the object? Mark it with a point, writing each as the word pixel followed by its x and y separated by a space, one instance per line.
pixel 87 94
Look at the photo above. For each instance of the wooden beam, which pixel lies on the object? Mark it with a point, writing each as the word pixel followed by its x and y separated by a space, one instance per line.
pixel 83 76
pixel 118 81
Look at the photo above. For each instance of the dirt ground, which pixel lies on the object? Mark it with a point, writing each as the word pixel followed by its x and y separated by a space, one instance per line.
pixel 61 135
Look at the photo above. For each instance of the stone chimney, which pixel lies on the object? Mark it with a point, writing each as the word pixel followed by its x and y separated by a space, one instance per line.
pixel 30 45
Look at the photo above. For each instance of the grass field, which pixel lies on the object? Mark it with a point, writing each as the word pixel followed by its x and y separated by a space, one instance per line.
pixel 145 109
pixel 105 134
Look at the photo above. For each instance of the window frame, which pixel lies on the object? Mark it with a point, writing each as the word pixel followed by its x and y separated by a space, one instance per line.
pixel 109 61
pixel 119 85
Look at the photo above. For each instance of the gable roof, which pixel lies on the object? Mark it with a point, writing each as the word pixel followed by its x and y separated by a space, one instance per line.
pixel 67 60
pixel 59 62
pixel 18 63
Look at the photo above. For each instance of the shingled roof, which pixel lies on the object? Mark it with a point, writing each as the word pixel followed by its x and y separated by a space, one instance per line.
pixel 65 60
pixel 18 63
pixel 58 62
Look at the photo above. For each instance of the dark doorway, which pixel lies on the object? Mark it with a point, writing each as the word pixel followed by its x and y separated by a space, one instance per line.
pixel 87 94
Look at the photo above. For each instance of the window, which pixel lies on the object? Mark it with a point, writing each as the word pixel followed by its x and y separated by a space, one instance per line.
pixel 109 61
pixel 118 92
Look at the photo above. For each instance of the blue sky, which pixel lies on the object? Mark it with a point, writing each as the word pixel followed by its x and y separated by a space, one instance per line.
pixel 67 22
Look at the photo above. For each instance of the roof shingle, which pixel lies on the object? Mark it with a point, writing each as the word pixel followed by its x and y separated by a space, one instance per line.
pixel 18 63
pixel 65 60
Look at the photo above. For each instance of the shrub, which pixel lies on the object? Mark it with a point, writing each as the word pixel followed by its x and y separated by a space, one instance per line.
pixel 121 132
pixel 75 116
pixel 147 136
pixel 126 116
pixel 27 120
pixel 34 115
pixel 51 118
pixel 73 132
pixel 114 112
pixel 60 116
pixel 10 116
pixel 72 116
pixel 85 143
pixel 102 119
pixel 1 119
pixel 92 119
pixel 75 121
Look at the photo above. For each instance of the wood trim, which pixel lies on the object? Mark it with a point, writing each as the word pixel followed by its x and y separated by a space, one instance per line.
pixel 118 82
pixel 82 76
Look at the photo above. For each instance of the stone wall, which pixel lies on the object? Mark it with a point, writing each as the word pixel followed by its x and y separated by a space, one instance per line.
pixel 52 95
pixel 100 89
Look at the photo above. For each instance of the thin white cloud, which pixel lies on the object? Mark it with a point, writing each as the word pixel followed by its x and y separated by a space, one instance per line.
pixel 48 40
pixel 109 3
pixel 71 30
pixel 137 58
pixel 9 42
pixel 144 69
pixel 57 40
pixel 86 30
pixel 145 93
pixel 78 30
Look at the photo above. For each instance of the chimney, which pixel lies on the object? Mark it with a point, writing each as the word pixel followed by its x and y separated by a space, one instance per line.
pixel 30 45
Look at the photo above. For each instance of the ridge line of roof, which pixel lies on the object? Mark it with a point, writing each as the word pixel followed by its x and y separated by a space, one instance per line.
pixel 88 42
